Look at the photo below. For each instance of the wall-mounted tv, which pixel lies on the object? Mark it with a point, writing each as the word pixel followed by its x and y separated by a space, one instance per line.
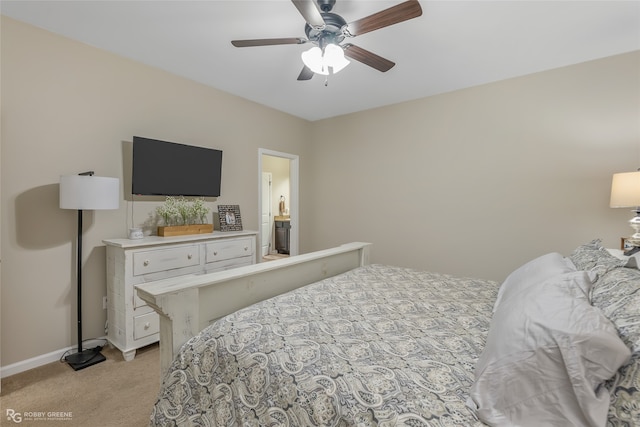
pixel 162 168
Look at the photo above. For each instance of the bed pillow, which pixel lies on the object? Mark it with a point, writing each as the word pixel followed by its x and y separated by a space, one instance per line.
pixel 547 356
pixel 595 258
pixel 625 394
pixel 617 295
pixel 534 271
pixel 633 261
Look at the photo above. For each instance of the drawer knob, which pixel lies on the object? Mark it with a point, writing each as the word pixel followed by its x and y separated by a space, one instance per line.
pixel 246 248
pixel 189 256
pixel 146 262
pixel 215 253
pixel 147 325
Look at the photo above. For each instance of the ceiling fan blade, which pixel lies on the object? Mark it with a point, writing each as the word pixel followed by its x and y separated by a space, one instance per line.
pixel 393 15
pixel 367 58
pixel 268 42
pixel 305 74
pixel 310 12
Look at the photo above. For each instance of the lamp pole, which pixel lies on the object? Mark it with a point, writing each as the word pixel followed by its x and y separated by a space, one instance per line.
pixel 84 193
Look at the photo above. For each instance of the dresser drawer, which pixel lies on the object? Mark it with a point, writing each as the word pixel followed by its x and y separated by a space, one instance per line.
pixel 146 262
pixel 220 251
pixel 227 264
pixel 145 325
pixel 132 322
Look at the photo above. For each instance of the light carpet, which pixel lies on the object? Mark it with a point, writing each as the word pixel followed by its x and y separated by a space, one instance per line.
pixel 110 393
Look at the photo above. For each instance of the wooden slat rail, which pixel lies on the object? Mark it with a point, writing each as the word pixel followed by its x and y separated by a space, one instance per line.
pixel 187 304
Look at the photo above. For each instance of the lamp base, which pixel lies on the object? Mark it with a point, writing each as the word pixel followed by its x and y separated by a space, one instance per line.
pixel 85 358
pixel 631 251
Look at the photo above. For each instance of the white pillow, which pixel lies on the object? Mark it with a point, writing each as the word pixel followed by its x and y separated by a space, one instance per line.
pixel 547 354
pixel 534 271
pixel 633 261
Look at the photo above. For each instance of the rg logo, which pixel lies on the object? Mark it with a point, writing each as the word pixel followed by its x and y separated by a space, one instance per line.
pixel 14 416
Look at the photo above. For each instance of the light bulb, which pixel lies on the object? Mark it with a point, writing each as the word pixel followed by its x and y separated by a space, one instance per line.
pixel 312 58
pixel 334 57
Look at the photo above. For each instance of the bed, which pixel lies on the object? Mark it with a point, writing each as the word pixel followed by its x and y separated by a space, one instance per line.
pixel 345 343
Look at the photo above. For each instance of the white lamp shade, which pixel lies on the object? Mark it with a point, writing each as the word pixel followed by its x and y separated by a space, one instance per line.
pixel 319 62
pixel 625 190
pixel 312 58
pixel 334 57
pixel 89 192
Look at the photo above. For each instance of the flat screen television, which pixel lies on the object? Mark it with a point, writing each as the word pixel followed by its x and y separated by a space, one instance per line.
pixel 162 168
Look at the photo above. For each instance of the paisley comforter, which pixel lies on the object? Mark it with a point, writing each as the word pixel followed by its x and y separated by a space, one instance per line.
pixel 376 346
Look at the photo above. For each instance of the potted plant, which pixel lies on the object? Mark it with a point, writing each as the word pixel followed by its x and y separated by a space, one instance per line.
pixel 199 210
pixel 182 216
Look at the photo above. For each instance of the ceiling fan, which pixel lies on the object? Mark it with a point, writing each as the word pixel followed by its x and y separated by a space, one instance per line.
pixel 327 30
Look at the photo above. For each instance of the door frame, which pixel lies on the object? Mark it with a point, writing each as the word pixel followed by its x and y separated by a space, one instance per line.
pixel 294 209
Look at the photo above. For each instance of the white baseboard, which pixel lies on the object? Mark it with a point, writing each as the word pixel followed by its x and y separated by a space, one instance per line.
pixel 54 356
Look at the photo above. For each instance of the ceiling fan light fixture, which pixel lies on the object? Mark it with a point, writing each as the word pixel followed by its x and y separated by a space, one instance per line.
pixel 327 30
pixel 334 57
pixel 312 58
pixel 320 63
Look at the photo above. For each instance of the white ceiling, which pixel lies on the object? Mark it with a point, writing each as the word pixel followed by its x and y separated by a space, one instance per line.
pixel 453 45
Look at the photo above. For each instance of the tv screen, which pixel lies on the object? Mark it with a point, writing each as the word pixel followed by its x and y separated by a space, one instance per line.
pixel 162 168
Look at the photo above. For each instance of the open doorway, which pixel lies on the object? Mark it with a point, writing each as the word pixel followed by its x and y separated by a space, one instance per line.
pixel 278 204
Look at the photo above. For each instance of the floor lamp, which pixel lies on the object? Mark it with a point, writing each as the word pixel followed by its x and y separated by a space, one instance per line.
pixel 80 192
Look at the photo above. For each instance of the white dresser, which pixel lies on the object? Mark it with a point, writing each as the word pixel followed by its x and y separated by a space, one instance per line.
pixel 131 322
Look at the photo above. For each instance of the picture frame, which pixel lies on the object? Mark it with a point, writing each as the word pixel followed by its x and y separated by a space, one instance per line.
pixel 625 245
pixel 230 218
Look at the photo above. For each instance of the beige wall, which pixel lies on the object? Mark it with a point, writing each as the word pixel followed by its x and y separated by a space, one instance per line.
pixel 472 182
pixel 477 181
pixel 68 108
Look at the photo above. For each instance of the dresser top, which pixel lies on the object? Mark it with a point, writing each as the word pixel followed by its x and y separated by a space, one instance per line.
pixel 159 240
